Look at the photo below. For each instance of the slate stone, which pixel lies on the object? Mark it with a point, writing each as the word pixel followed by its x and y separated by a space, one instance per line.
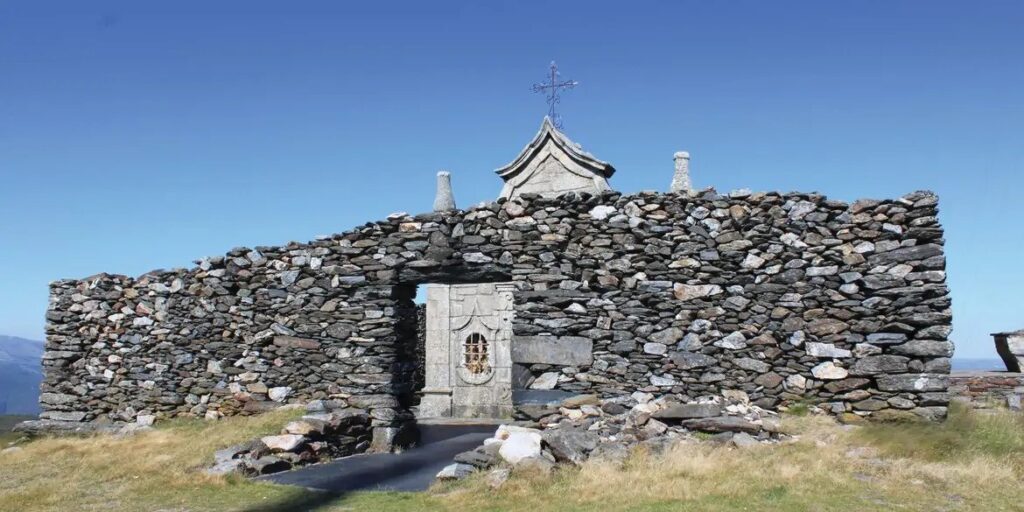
pixel 722 424
pixel 559 350
pixel 570 445
pixel 688 411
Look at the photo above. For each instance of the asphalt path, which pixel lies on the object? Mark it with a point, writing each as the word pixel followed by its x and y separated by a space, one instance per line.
pixel 411 470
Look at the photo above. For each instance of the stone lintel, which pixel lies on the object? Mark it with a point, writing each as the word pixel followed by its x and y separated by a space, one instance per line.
pixel 558 350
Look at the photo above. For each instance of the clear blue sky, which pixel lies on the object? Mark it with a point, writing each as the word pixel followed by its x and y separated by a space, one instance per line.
pixel 137 137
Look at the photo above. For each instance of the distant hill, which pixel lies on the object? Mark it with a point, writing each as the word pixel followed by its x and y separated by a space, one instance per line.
pixel 20 375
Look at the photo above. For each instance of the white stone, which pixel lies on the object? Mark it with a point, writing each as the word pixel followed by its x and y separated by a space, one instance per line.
pixel 601 212
pixel 792 240
pixel 546 380
pixel 444 200
pixel 826 350
pixel 752 262
pixel 655 348
pixel 695 291
pixel 576 308
pixel 279 394
pixel 664 381
pixel 283 442
pixel 796 381
pixel 797 338
pixel 830 270
pixel 520 445
pixel 801 209
pixel 733 341
pixel 681 176
pixel 214 367
pixel 864 248
pixel 642 397
pixel 900 270
pixel 829 371
pixel 477 257
pixel 145 420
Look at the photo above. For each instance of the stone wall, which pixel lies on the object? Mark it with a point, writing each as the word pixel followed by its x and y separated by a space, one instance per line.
pixel 988 389
pixel 789 297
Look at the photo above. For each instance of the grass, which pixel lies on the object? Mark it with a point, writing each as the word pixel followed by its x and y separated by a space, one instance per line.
pixel 973 461
pixel 994 435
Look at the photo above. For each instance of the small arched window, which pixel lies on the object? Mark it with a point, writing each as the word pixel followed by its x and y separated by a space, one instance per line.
pixel 475 354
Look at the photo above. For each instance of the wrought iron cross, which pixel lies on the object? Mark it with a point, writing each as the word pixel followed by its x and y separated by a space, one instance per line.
pixel 551 89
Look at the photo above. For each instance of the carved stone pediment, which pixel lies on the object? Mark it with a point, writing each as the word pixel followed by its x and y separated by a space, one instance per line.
pixel 551 165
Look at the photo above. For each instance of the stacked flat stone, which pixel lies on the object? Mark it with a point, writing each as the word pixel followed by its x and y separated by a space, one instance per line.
pixel 787 297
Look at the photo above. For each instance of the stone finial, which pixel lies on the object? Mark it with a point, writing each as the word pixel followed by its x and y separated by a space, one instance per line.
pixel 681 178
pixel 444 200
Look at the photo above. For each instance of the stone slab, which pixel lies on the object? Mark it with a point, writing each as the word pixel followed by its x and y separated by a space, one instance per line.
pixel 557 350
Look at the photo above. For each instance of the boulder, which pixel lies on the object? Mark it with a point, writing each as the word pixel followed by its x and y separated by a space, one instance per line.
pixel 519 445
pixel 569 444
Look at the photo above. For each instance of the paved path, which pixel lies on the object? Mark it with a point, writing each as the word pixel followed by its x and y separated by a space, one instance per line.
pixel 411 470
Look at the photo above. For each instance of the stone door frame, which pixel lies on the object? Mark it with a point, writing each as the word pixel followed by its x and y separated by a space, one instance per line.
pixel 453 314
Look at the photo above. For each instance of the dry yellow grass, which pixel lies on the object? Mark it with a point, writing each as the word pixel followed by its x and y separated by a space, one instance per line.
pixel 828 468
pixel 152 469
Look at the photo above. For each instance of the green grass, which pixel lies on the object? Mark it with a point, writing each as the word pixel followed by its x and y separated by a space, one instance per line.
pixel 971 462
pixel 966 433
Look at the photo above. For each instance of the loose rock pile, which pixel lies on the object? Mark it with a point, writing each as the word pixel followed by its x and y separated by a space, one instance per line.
pixel 609 429
pixel 329 431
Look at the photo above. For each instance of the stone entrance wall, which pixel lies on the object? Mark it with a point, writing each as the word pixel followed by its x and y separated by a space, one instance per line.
pixel 786 296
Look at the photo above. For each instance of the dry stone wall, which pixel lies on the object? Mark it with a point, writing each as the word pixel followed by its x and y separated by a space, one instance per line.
pixel 789 297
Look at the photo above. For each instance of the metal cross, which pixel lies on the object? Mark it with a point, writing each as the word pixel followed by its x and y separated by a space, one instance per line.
pixel 551 89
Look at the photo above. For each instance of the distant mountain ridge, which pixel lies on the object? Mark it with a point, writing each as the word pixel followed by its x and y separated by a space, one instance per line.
pixel 21 373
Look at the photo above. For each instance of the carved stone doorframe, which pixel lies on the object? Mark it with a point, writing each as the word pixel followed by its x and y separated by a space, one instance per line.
pixel 468 370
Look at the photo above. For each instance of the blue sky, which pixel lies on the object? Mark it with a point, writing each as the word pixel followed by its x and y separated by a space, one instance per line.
pixel 135 137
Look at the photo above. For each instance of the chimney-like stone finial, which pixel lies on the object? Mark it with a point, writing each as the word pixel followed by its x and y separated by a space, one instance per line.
pixel 681 177
pixel 444 200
